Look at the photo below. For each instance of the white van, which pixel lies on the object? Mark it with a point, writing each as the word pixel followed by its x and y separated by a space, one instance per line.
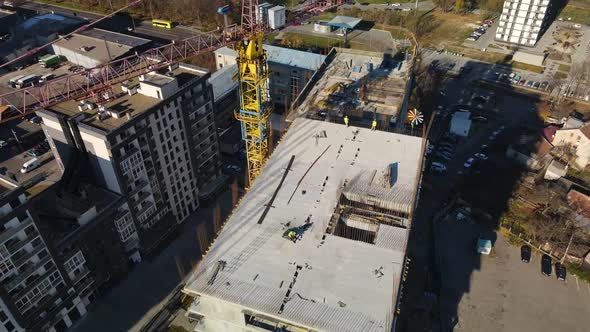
pixel 30 165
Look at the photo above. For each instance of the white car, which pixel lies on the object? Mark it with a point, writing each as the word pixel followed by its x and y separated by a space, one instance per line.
pixel 3 143
pixel 481 156
pixel 577 26
pixel 396 4
pixel 468 163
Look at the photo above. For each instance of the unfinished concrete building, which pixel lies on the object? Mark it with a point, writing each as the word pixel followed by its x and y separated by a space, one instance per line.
pixel 359 84
pixel 318 243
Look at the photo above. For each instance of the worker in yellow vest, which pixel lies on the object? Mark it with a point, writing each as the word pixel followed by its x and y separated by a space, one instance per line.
pixel 346 120
pixel 374 124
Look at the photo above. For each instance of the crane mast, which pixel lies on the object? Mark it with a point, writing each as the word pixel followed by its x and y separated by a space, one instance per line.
pixel 255 103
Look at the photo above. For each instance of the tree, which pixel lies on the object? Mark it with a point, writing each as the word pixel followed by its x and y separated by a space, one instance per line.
pixel 459 6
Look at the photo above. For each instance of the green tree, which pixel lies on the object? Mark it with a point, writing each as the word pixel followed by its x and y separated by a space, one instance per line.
pixel 459 5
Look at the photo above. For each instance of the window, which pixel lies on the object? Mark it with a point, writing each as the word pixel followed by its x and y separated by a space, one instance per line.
pixel 9 326
pixel 3 316
pixel 74 262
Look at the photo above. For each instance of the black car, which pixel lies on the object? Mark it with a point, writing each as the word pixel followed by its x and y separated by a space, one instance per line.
pixel 546 265
pixel 560 271
pixel 525 254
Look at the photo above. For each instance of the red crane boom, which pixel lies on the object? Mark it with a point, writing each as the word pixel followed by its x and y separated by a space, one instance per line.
pixel 94 81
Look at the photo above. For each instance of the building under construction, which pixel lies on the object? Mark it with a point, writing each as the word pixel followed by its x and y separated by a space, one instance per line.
pixel 361 85
pixel 318 243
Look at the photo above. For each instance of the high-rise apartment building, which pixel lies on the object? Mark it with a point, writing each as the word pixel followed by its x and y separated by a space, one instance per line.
pixel 154 142
pixel 57 248
pixel 523 22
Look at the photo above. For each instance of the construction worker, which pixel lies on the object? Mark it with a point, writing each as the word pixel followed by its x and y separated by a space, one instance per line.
pixel 346 120
pixel 292 235
pixel 374 124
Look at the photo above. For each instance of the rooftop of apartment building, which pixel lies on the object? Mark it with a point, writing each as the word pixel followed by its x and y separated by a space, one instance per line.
pixel 101 45
pixel 130 99
pixel 284 56
pixel 320 238
pixel 358 80
pixel 34 181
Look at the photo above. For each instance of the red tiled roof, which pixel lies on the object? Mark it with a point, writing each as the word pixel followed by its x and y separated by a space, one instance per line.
pixel 549 132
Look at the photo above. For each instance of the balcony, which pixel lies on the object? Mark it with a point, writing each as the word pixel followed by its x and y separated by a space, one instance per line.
pixel 16 246
pixel 20 259
pixel 142 183
pixel 21 277
pixel 7 234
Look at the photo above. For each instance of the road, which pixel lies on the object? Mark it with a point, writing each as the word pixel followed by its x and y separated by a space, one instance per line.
pixel 119 23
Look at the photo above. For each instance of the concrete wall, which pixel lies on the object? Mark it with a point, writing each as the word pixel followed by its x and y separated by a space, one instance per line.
pixel 224 60
pixel 155 91
pixel 75 57
pixel 102 162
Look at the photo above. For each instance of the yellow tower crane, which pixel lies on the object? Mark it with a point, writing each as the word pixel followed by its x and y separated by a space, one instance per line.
pixel 255 104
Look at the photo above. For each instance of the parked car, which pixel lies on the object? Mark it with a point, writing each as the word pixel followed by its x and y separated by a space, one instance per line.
pixel 3 143
pixel 522 81
pixel 560 271
pixel 481 156
pixel 484 246
pixel 529 83
pixel 544 85
pixel 438 169
pixel 35 120
pixel 439 165
pixel 546 265
pixel 471 39
pixel 525 254
pixel 480 118
pixel 536 85
pixel 33 153
pixel 396 4
pixel 468 163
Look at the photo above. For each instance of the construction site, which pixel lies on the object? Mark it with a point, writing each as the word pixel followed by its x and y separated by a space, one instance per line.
pixel 319 240
pixel 361 85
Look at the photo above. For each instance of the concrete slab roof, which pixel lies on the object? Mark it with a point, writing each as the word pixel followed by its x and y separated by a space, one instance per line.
pixel 94 48
pixel 341 284
pixel 132 105
pixel 284 56
pixel 346 22
pixel 115 37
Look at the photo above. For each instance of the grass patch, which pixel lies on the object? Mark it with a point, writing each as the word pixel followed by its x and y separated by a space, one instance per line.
pixel 271 37
pixel 526 66
pixel 564 68
pixel 396 32
pixel 299 40
pixel 582 274
pixel 491 57
pixel 451 29
pixel 325 16
pixel 582 175
pixel 578 14
pixel 559 75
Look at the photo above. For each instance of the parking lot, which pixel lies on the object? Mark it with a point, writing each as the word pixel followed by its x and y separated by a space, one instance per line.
pixel 501 293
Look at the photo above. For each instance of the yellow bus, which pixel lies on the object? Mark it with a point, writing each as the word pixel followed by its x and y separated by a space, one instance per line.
pixel 162 24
